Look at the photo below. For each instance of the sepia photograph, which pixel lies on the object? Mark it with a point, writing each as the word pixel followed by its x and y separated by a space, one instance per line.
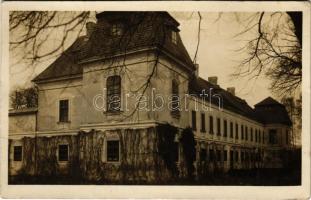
pixel 174 98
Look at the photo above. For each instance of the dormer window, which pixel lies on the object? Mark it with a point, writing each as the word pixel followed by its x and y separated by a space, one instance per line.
pixel 117 29
pixel 174 37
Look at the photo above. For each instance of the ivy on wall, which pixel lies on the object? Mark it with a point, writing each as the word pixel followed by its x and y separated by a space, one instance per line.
pixel 189 152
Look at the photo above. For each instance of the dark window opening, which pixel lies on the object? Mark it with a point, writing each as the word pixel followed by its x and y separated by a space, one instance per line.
pixel 64 110
pixel 175 98
pixel 272 136
pixel 242 132
pixel 203 123
pixel 63 151
pixel 231 129
pixel 194 120
pixel 251 134
pixel 18 153
pixel 225 128
pixel 176 152
pixel 236 131
pixel 211 125
pixel 218 126
pixel 113 151
pixel 225 155
pixel 203 155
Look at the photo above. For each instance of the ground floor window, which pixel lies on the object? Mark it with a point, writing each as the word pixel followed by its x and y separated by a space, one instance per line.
pixel 176 152
pixel 203 155
pixel 18 153
pixel 63 152
pixel 113 147
pixel 225 155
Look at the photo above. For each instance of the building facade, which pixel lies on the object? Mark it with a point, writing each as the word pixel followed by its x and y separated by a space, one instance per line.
pixel 107 104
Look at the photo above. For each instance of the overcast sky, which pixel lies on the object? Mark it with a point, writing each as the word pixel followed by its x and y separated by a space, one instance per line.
pixel 217 54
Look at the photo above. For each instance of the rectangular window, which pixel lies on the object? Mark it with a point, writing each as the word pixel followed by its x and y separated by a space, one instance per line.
pixel 236 131
pixel 18 153
pixel 218 155
pixel 64 110
pixel 256 135
pixel 246 133
pixel 242 132
pixel 237 156
pixel 211 125
pixel 113 151
pixel 203 155
pixel 113 85
pixel 211 155
pixel 176 151
pixel 194 120
pixel 225 155
pixel 263 137
pixel 63 152
pixel 259 136
pixel 272 136
pixel 117 29
pixel 203 123
pixel 218 126
pixel 175 99
pixel 225 128
pixel 251 134
pixel 231 129
pixel 174 37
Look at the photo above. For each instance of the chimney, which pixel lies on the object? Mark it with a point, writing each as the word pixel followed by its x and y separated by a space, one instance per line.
pixel 231 90
pixel 90 27
pixel 212 80
pixel 196 72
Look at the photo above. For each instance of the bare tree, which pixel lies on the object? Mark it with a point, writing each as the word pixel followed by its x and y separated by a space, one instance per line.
pixel 275 51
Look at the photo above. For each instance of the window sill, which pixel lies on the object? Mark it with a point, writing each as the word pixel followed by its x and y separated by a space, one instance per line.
pixel 65 122
pixel 112 113
pixel 175 114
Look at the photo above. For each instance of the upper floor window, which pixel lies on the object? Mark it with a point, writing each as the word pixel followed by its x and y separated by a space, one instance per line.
pixel 211 125
pixel 194 120
pixel 113 93
pixel 259 136
pixel 175 97
pixel 272 136
pixel 174 37
pixel 64 110
pixel 242 132
pixel 18 153
pixel 256 135
pixel 113 149
pixel 246 133
pixel 236 131
pixel 231 129
pixel 218 126
pixel 117 29
pixel 225 128
pixel 203 123
pixel 252 134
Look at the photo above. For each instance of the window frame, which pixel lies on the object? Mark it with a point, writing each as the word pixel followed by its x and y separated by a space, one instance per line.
pixel 114 89
pixel 194 120
pixel 225 126
pixel 60 111
pixel 14 153
pixel 174 38
pixel 58 153
pixel 211 125
pixel 117 29
pixel 107 152
pixel 218 121
pixel 203 123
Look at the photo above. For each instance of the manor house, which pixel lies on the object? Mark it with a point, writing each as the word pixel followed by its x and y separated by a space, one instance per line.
pixel 89 120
